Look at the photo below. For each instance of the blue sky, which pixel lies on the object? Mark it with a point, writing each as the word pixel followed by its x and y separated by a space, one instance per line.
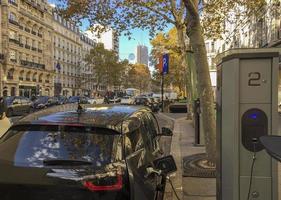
pixel 126 46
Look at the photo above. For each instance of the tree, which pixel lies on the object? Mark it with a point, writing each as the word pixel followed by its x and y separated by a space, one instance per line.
pixel 139 77
pixel 125 15
pixel 106 66
pixel 177 74
pixel 154 15
pixel 217 12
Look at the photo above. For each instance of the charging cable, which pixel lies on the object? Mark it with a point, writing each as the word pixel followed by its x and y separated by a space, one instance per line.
pixel 254 140
pixel 151 170
pixel 173 188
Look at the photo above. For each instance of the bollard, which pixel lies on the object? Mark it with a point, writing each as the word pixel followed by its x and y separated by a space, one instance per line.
pixel 196 110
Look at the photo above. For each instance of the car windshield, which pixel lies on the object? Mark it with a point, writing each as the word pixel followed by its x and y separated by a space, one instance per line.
pixel 29 146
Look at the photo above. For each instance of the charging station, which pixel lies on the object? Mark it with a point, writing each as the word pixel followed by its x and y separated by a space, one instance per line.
pixel 247 108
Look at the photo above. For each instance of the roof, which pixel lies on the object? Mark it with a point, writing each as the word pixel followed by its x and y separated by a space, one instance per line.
pixel 106 116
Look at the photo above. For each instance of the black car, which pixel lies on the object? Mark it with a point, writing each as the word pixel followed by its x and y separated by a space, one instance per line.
pixel 62 100
pixel 41 102
pixel 147 101
pixel 95 153
pixel 52 101
pixel 17 105
pixel 76 99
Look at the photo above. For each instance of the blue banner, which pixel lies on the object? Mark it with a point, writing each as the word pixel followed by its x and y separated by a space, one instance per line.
pixel 165 63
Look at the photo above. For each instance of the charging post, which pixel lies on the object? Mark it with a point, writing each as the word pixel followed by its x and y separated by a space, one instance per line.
pixel 247 100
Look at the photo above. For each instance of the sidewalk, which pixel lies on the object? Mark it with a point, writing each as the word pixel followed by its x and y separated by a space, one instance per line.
pixel 188 188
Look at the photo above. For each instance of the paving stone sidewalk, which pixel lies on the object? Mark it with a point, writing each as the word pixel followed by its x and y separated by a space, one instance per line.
pixel 188 188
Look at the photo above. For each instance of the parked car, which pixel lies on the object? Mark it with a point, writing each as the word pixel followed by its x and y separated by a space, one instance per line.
pixel 62 100
pixel 127 100
pixel 76 99
pixel 146 101
pixel 17 105
pixel 115 99
pixel 41 102
pixel 52 101
pixel 109 153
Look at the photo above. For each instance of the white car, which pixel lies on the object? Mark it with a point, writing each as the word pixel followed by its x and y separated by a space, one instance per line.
pixel 115 100
pixel 96 100
pixel 127 100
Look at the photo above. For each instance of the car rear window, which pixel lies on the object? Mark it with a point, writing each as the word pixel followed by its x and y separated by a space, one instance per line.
pixel 29 146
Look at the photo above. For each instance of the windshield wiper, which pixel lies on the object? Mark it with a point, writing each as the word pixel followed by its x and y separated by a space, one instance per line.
pixel 61 162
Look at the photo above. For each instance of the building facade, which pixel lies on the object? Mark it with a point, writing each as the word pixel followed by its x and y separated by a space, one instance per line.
pixel 258 31
pixel 142 54
pixel 26 48
pixel 109 38
pixel 67 57
pixel 88 84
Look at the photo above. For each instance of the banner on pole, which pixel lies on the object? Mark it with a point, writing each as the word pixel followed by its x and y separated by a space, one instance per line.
pixel 163 64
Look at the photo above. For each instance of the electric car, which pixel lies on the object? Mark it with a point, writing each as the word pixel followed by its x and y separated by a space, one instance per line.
pixel 84 152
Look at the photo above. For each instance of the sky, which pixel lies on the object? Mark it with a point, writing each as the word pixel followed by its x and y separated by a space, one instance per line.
pixel 126 46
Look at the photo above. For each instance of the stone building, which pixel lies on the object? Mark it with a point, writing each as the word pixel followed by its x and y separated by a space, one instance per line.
pixel 26 66
pixel 67 57
pixel 88 84
pixel 257 31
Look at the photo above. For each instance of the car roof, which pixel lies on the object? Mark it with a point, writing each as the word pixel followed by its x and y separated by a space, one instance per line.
pixel 104 116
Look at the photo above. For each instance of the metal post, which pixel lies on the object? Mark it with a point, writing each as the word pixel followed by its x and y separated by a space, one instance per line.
pixel 162 91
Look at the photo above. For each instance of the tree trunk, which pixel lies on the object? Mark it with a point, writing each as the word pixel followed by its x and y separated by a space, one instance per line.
pixel 194 32
pixel 189 92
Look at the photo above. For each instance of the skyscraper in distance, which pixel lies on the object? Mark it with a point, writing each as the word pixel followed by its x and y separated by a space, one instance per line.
pixel 142 54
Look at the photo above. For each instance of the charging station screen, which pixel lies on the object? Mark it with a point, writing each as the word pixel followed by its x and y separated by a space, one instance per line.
pixel 254 125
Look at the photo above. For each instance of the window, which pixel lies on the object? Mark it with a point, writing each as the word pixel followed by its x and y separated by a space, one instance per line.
pixel 12 16
pixel 133 141
pixel 151 131
pixel 12 55
pixel 37 143
pixel 12 35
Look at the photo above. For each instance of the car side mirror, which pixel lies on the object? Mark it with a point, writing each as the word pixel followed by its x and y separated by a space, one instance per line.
pixel 166 132
pixel 166 164
pixel 272 145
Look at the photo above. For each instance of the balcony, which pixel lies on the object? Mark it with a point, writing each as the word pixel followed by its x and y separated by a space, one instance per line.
pixel 27 30
pixel 34 80
pixel 33 32
pixel 21 78
pixel 14 40
pixel 32 64
pixel 27 79
pixel 34 49
pixel 40 80
pixel 40 50
pixel 27 46
pixel 13 22
pixel 13 60
pixel 40 35
pixel 10 77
